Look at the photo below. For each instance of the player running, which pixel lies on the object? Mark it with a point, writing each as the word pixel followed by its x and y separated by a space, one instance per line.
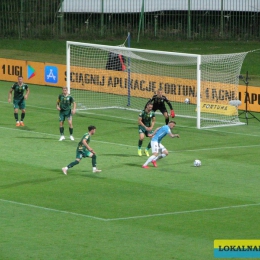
pixel 159 151
pixel 84 150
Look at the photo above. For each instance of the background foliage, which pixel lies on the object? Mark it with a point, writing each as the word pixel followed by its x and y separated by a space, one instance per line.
pixel 43 20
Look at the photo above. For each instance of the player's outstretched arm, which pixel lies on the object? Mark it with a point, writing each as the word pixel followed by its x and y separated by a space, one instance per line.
pixel 174 135
pixel 170 106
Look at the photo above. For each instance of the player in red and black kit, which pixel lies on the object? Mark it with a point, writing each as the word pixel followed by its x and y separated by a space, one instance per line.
pixel 158 102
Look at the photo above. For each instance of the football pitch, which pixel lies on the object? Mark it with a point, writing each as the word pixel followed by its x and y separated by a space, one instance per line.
pixel 175 211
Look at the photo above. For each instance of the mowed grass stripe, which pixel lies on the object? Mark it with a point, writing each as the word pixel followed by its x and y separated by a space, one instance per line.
pixel 132 146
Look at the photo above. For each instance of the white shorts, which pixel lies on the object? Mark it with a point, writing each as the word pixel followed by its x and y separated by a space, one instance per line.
pixel 157 147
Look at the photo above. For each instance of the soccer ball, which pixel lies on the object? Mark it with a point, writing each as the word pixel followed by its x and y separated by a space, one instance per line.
pixel 187 101
pixel 197 163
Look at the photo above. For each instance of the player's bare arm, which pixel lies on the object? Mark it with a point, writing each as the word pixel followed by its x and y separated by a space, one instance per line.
pixel 73 111
pixel 87 146
pixel 152 123
pixel 27 93
pixel 151 135
pixel 141 123
pixel 174 135
pixel 58 105
pixel 10 95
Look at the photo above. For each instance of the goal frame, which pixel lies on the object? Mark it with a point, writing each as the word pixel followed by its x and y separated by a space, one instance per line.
pixel 198 58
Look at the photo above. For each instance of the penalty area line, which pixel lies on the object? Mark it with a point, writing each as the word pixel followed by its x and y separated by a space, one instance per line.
pixel 133 217
pixel 54 210
pixel 183 212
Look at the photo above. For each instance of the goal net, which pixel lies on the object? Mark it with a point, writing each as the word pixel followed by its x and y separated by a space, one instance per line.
pixel 202 87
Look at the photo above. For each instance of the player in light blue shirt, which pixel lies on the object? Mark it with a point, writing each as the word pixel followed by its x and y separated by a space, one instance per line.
pixel 158 150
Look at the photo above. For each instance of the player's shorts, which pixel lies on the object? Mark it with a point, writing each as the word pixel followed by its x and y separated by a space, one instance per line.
pixel 157 147
pixel 65 114
pixel 19 103
pixel 161 108
pixel 141 129
pixel 82 154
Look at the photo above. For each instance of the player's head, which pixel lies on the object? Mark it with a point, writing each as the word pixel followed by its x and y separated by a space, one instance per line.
pixel 92 129
pixel 64 90
pixel 159 92
pixel 20 79
pixel 149 107
pixel 172 124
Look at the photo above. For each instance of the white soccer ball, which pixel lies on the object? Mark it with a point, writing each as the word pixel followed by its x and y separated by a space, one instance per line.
pixel 197 163
pixel 187 101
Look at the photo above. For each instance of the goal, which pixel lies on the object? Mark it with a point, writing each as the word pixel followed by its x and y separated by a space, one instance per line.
pixel 202 87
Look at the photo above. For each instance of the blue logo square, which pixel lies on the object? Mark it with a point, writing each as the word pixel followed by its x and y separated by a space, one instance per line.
pixel 51 74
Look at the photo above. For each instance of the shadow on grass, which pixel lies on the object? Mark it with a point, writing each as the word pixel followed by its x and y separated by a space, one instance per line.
pixel 93 176
pixel 31 137
pixel 134 165
pixel 117 155
pixel 82 174
pixel 27 182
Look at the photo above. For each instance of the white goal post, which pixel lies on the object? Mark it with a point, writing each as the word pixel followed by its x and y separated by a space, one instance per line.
pixel 202 87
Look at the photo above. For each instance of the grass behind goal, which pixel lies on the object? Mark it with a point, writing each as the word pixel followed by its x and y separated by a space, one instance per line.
pixel 174 211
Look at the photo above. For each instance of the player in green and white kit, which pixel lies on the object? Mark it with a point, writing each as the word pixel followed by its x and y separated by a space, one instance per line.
pixel 84 150
pixel 19 99
pixel 64 103
pixel 146 121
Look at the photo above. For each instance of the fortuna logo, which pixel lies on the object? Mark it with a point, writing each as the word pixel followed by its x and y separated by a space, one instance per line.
pixel 30 72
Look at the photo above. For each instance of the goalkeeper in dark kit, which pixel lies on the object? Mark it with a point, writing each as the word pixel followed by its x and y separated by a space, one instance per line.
pixel 158 102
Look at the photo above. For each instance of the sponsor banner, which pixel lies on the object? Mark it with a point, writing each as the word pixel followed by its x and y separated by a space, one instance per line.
pixel 139 85
pixel 122 83
pixel 252 98
pixel 214 108
pixel 38 73
pixel 237 248
pixel 144 85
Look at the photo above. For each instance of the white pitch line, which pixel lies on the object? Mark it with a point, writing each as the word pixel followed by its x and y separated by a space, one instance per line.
pixel 133 217
pixel 55 210
pixel 184 212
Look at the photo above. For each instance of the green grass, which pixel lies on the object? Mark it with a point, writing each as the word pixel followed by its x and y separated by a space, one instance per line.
pixel 174 211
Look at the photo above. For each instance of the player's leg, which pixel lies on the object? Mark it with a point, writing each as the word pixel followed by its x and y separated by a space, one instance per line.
pixel 165 114
pixel 146 151
pixel 22 107
pixel 163 153
pixel 16 107
pixel 155 151
pixel 22 117
pixel 140 141
pixel 61 119
pixel 79 156
pixel 70 127
pixel 93 156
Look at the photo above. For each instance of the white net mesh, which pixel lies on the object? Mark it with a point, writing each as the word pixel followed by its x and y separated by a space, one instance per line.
pixel 118 77
pixel 219 88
